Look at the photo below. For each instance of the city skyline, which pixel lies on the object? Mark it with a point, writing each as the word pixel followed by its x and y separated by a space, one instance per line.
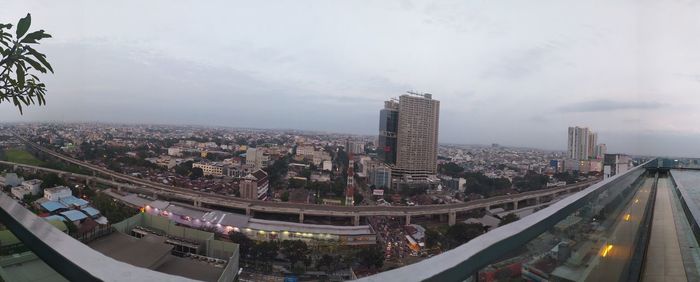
pixel 638 106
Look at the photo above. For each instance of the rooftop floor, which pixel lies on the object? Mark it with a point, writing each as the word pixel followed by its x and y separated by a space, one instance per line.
pixel 664 261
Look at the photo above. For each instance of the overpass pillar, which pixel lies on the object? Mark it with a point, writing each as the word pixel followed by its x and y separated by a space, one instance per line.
pixel 515 205
pixel 120 188
pixel 408 219
pixel 248 212
pixel 356 220
pixel 14 167
pixel 155 195
pixel 451 218
pixel 301 217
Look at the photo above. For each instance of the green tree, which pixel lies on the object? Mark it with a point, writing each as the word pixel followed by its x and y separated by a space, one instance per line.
pixel 265 251
pixel 245 244
pixel 372 257
pixel 52 180
pixel 433 238
pixel 508 218
pixel 20 63
pixel 358 198
pixel 72 229
pixel 296 251
pixel 451 169
pixel 461 233
pixel 285 196
pixel 197 172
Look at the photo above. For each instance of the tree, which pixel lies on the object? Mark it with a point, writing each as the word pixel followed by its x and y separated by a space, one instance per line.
pixel 197 172
pixel 72 229
pixel 433 238
pixel 508 218
pixel 245 244
pixel 265 251
pixel 52 180
pixel 461 233
pixel 371 257
pixel 296 251
pixel 19 64
pixel 358 198
pixel 285 196
pixel 451 169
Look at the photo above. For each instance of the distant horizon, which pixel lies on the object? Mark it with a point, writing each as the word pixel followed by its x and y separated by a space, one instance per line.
pixel 501 71
pixel 303 131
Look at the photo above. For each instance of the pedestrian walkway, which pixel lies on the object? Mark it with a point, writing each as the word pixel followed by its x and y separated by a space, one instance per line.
pixel 663 259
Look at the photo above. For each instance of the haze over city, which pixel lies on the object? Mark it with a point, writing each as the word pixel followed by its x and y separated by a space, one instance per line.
pixel 502 70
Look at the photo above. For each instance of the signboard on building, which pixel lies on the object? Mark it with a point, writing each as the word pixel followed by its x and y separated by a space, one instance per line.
pixel 378 192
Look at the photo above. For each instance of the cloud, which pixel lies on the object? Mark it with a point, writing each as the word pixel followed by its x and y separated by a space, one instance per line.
pixel 609 106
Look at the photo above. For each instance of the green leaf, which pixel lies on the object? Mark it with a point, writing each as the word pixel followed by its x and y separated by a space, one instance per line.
pixel 33 37
pixel 5 26
pixel 39 56
pixel 20 76
pixel 36 65
pixel 23 25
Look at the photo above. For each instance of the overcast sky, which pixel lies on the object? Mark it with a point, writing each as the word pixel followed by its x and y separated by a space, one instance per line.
pixel 509 72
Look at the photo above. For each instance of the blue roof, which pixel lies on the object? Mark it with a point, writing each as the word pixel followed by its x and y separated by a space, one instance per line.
pixel 74 215
pixel 91 211
pixel 52 206
pixel 54 217
pixel 73 201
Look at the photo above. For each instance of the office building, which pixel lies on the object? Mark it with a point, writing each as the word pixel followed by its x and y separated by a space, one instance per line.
pixel 388 129
pixel 380 175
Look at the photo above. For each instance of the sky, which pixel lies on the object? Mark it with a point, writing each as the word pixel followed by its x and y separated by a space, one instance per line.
pixel 515 72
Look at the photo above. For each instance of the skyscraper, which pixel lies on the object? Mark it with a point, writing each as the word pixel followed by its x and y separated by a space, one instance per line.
pixel 416 134
pixel 592 144
pixel 578 143
pixel 388 127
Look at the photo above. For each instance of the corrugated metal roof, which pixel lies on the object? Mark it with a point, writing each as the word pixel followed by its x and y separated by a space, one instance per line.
pixel 52 206
pixel 91 211
pixel 74 215
pixel 73 201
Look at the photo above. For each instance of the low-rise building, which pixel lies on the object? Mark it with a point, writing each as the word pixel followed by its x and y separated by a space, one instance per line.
pixel 28 187
pixel 56 193
pixel 214 169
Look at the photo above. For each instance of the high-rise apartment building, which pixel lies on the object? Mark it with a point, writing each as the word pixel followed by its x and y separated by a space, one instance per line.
pixel 415 131
pixel 592 144
pixel 578 143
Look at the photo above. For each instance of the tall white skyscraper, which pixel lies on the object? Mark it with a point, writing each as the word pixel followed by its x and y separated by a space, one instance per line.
pixel 582 143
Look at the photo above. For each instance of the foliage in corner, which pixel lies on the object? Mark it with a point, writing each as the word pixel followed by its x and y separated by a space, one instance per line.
pixel 19 64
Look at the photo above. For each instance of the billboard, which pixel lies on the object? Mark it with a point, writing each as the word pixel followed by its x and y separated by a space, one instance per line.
pixel 378 192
